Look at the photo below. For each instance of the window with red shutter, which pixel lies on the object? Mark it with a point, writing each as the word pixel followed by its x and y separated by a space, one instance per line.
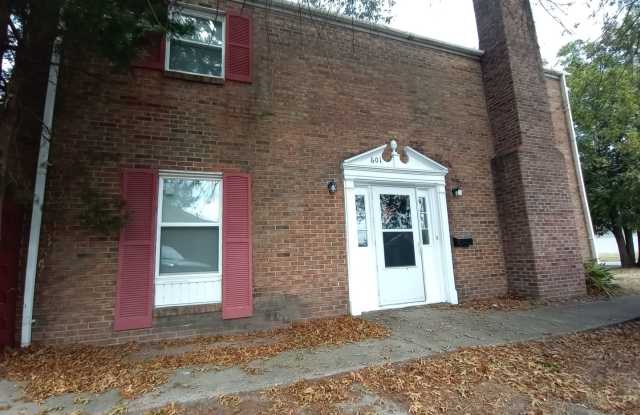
pixel 238 47
pixel 136 251
pixel 237 287
pixel 201 51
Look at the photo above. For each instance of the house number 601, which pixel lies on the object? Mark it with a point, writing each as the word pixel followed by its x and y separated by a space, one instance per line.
pixel 376 160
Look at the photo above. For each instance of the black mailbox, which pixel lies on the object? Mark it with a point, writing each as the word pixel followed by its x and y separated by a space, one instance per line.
pixel 462 242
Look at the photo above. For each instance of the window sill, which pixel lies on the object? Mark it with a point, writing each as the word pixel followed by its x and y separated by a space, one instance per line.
pixel 194 77
pixel 186 278
pixel 187 309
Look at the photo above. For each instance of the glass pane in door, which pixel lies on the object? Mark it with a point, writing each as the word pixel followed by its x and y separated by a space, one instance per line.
pixel 397 233
pixel 398 249
pixel 395 211
pixel 424 220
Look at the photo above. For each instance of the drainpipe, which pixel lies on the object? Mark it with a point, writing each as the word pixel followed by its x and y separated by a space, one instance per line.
pixel 578 167
pixel 38 198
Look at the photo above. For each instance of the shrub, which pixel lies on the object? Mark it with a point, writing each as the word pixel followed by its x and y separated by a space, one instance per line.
pixel 600 279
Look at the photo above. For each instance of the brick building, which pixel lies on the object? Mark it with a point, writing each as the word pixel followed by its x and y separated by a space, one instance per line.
pixel 281 165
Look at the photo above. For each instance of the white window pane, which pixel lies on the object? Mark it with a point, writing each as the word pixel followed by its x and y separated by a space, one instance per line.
pixel 205 31
pixel 189 57
pixel 361 216
pixel 190 200
pixel 363 239
pixel 424 221
pixel 189 250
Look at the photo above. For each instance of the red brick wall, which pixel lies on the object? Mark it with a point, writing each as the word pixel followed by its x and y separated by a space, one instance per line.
pixel 562 141
pixel 320 94
pixel 537 215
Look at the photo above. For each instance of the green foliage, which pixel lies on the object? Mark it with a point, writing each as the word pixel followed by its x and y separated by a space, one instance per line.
pixel 115 29
pixel 621 31
pixel 600 279
pixel 605 99
pixel 101 214
pixel 373 11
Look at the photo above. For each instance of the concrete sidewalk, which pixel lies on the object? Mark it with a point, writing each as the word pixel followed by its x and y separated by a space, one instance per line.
pixel 416 332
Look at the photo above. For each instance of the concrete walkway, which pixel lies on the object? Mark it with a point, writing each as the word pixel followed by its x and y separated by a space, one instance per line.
pixel 416 332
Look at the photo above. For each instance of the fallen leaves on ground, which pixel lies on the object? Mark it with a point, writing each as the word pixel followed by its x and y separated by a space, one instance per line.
pixel 50 371
pixel 170 409
pixel 599 368
pixel 509 303
pixel 230 401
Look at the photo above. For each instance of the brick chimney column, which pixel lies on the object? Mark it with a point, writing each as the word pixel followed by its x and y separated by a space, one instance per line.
pixel 537 223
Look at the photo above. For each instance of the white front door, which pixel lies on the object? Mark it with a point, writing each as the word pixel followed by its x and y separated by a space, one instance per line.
pixel 398 253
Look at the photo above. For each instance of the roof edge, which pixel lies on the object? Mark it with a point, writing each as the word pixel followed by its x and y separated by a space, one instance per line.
pixel 552 73
pixel 374 29
pixel 371 28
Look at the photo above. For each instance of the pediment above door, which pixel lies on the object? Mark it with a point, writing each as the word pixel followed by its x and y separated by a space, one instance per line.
pixel 370 165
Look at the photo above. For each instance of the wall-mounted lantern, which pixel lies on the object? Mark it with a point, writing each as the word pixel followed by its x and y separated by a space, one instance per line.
pixel 332 186
pixel 457 191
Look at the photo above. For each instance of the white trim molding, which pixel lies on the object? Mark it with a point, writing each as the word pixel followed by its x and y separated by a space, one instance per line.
pixel 371 166
pixel 417 174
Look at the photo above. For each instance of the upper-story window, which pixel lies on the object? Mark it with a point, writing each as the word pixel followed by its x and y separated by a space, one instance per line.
pixel 202 51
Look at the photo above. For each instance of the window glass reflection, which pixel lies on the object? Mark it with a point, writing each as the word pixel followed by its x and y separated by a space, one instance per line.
pixel 395 211
pixel 361 217
pixel 189 250
pixel 424 222
pixel 398 249
pixel 190 201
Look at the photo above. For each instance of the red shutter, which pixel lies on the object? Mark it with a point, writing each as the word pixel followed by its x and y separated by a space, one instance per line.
pixel 237 287
pixel 136 251
pixel 151 55
pixel 238 47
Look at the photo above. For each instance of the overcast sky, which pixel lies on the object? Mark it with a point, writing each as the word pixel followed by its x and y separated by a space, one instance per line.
pixel 453 21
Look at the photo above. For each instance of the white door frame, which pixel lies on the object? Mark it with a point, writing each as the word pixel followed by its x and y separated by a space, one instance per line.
pixel 368 170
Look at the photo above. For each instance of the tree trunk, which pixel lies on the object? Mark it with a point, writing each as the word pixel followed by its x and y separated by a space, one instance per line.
pixel 638 236
pixel 625 258
pixel 4 44
pixel 630 245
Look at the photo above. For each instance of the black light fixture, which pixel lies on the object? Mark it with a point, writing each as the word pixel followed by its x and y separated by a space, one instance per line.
pixel 332 186
pixel 457 191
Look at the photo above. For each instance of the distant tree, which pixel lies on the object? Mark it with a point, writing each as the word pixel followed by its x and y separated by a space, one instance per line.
pixel 605 99
pixel 373 11
pixel 621 32
pixel 621 28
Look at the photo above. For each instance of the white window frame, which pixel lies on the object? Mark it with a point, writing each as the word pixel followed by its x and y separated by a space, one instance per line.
pixel 198 12
pixel 187 277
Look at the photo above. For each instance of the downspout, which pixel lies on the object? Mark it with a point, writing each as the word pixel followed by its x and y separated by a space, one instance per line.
pixel 578 166
pixel 38 198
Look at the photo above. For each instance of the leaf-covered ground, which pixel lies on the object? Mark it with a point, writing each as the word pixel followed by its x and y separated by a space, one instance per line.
pixel 598 370
pixel 628 279
pixel 135 369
